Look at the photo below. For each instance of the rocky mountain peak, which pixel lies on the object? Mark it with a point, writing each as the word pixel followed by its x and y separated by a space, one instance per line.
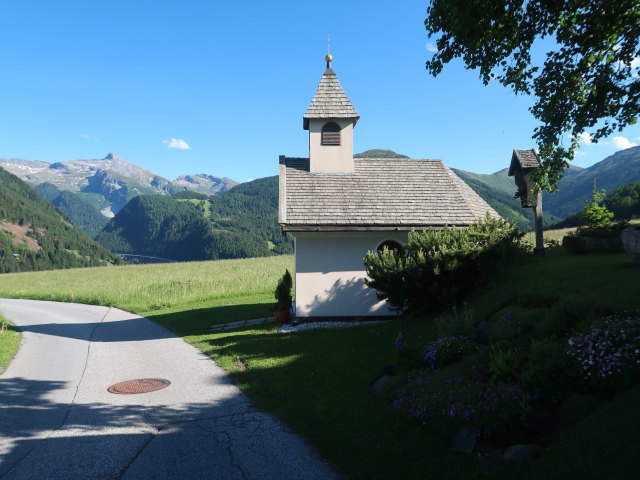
pixel 112 156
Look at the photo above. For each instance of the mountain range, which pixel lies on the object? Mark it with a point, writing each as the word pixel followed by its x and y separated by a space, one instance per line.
pixel 576 187
pixel 109 183
pixel 241 221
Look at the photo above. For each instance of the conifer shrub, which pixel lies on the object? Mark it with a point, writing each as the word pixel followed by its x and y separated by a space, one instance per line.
pixel 440 268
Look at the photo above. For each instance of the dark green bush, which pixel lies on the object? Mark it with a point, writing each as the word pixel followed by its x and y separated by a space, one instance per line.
pixel 283 290
pixel 441 267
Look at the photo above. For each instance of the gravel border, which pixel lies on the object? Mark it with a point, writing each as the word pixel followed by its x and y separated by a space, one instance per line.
pixel 316 325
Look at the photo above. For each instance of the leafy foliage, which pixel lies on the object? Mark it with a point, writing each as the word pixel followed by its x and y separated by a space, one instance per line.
pixel 60 243
pixel 587 82
pixel 595 213
pixel 441 267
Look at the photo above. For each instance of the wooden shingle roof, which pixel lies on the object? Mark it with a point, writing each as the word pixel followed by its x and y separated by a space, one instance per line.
pixel 381 194
pixel 330 101
pixel 526 159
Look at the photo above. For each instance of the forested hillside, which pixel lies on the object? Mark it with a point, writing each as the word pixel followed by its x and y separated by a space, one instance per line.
pixel 35 236
pixel 81 212
pixel 239 223
pixel 619 169
pixel 624 201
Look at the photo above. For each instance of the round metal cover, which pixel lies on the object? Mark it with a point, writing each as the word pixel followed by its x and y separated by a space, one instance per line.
pixel 141 385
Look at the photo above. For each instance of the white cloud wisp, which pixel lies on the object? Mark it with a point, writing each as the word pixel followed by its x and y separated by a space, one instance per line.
pixel 177 143
pixel 622 143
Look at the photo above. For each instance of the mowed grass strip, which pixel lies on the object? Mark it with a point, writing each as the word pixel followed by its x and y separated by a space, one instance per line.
pixel 9 342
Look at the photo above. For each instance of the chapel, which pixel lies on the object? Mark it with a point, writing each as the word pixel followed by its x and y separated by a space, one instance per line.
pixel 337 208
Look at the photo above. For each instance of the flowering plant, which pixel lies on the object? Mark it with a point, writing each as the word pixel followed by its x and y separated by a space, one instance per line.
pixel 609 350
pixel 445 350
pixel 491 407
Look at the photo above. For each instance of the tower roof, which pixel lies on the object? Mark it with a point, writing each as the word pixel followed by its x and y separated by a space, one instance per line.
pixel 330 100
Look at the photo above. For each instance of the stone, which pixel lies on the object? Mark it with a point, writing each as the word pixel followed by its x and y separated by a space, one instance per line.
pixel 631 241
pixel 517 453
pixel 379 385
pixel 483 335
pixel 464 441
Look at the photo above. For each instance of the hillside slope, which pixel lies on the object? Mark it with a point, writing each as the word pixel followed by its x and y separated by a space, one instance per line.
pixel 35 236
pixel 79 210
pixel 576 187
pixel 239 223
pixel 619 169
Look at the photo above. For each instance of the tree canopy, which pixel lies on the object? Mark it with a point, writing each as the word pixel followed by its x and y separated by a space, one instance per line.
pixel 588 82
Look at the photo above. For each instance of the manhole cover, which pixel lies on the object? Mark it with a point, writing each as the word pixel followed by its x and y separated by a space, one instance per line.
pixel 142 385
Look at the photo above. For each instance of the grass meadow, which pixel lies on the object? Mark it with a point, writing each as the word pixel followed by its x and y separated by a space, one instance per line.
pixel 9 342
pixel 149 288
pixel 319 382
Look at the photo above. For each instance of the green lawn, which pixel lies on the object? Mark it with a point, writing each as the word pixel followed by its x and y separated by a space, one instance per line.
pixel 9 342
pixel 319 382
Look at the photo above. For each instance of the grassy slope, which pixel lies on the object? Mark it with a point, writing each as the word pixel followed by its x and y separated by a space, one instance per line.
pixel 9 342
pixel 319 382
pixel 146 289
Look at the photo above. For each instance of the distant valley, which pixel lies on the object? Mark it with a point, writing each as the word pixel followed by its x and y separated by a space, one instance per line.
pixel 200 217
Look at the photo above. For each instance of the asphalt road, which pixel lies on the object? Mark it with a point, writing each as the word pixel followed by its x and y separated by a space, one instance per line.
pixel 57 420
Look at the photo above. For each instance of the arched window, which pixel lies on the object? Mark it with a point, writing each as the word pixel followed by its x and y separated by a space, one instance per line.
pixel 331 134
pixel 391 245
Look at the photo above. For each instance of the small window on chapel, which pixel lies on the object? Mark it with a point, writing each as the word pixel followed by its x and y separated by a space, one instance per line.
pixel 391 245
pixel 331 134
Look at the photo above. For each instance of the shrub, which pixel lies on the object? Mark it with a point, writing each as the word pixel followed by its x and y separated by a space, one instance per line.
pixel 505 361
pixel 441 267
pixel 283 289
pixel 546 373
pixel 457 321
pixel 609 354
pixel 595 213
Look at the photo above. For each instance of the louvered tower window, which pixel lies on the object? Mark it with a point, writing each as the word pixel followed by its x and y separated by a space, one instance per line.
pixel 331 134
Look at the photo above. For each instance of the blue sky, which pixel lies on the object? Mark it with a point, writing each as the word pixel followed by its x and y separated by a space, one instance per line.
pixel 231 81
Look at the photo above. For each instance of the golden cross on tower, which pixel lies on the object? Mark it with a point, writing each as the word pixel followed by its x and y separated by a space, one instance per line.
pixel 328 58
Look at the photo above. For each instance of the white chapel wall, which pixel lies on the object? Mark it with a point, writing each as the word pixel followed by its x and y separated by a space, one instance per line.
pixel 330 274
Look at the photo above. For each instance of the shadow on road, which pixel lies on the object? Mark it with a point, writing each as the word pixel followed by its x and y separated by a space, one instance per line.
pixel 40 438
pixel 129 330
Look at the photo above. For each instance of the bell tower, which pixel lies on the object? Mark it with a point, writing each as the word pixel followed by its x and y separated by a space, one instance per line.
pixel 330 120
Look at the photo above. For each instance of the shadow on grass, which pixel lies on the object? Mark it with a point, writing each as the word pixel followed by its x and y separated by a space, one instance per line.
pixel 319 383
pixel 197 322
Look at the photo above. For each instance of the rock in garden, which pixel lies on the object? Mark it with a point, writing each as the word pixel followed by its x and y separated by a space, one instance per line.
pixel 516 453
pixel 378 387
pixel 482 335
pixel 464 441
